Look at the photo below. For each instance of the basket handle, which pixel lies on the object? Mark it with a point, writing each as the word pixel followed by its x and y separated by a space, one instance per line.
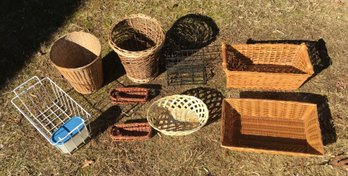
pixel 223 55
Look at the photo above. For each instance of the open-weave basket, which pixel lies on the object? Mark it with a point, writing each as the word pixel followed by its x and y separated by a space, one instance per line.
pixel 270 126
pixel 138 40
pixel 128 95
pixel 178 115
pixel 130 132
pixel 266 66
pixel 76 56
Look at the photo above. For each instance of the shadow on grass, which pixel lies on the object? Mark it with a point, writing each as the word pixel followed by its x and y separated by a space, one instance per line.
pixel 25 26
pixel 316 49
pixel 211 97
pixel 328 130
pixel 112 67
pixel 192 31
pixel 106 119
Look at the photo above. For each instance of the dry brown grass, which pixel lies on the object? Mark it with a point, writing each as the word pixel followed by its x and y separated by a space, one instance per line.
pixel 24 152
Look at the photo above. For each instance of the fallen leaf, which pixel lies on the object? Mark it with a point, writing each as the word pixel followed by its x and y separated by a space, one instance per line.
pixel 87 163
pixel 339 2
pixel 341 85
pixel 340 161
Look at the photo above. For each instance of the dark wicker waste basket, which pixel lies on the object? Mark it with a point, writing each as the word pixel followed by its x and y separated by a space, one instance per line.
pixel 138 41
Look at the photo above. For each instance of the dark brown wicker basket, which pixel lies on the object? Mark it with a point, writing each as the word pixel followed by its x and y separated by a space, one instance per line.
pixel 130 132
pixel 129 95
pixel 138 40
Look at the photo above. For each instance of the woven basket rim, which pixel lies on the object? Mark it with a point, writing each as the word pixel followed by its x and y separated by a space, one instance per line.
pixel 177 133
pixel 128 53
pixel 82 67
pixel 253 72
pixel 269 100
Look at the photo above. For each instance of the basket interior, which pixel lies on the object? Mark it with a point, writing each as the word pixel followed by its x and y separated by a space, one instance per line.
pixel 137 34
pixel 274 126
pixel 75 50
pixel 273 58
pixel 177 113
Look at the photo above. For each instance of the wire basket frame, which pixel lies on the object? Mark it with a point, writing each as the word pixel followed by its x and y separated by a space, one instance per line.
pixel 190 66
pixel 47 107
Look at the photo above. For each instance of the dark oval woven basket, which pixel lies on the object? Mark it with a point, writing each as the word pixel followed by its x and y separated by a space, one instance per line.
pixel 130 132
pixel 129 95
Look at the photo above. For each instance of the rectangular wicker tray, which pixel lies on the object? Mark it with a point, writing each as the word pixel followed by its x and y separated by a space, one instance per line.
pixel 266 66
pixel 267 126
pixel 130 132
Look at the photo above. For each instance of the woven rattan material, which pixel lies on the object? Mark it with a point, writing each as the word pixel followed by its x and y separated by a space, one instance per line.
pixel 138 40
pixel 266 66
pixel 278 127
pixel 77 57
pixel 130 132
pixel 178 115
pixel 129 95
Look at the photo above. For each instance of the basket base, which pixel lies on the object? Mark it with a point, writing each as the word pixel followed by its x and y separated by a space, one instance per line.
pixel 142 81
pixel 135 80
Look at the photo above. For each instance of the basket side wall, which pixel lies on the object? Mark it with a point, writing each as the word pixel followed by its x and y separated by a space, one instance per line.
pixel 267 53
pixel 313 132
pixel 302 61
pixel 230 118
pixel 86 80
pixel 264 81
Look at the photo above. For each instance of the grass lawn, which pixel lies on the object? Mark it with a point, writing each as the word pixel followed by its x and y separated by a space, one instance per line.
pixel 29 28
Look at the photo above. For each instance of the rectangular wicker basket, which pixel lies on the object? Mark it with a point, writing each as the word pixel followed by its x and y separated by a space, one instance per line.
pixel 268 126
pixel 249 66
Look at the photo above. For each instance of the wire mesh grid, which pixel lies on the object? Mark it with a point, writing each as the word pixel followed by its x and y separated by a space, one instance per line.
pixel 47 107
pixel 190 66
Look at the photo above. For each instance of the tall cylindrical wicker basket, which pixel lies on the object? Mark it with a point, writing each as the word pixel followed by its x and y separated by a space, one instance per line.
pixel 77 57
pixel 138 40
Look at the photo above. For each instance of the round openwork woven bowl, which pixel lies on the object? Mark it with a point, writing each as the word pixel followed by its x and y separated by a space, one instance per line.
pixel 178 115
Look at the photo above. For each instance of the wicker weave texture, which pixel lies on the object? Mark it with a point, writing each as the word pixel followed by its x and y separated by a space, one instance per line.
pixel 129 95
pixel 267 126
pixel 77 57
pixel 178 115
pixel 282 56
pixel 130 132
pixel 138 40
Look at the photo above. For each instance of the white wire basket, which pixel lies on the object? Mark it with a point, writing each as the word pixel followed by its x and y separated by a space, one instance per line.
pixel 55 115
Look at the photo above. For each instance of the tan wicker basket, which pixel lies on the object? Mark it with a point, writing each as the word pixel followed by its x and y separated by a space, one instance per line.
pixel 77 57
pixel 178 115
pixel 266 66
pixel 138 40
pixel 268 126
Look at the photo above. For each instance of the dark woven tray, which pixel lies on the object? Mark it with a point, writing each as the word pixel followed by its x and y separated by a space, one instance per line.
pixel 129 95
pixel 130 132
